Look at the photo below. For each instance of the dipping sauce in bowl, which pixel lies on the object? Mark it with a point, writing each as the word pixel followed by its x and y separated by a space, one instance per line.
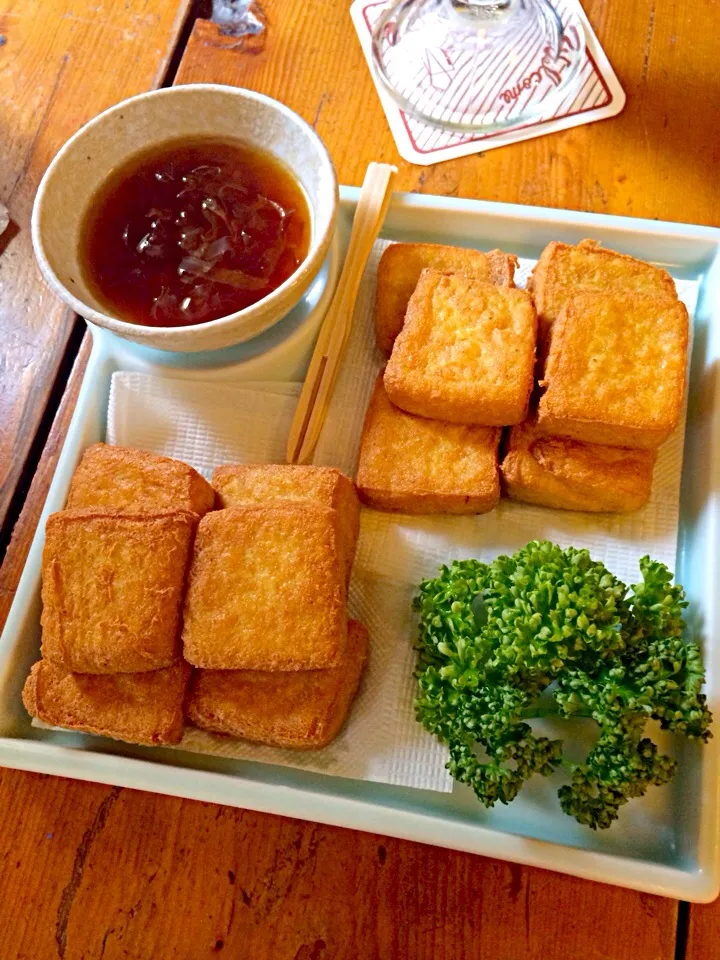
pixel 191 231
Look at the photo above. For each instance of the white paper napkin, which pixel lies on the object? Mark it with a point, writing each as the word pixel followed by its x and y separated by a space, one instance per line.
pixel 207 425
pixel 204 424
pixel 597 96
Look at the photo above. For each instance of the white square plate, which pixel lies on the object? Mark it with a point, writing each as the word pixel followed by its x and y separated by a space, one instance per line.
pixel 672 849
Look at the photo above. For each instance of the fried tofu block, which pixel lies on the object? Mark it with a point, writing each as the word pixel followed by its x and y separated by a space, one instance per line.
pixel 567 475
pixel 415 465
pixel 399 271
pixel 466 352
pixel 250 483
pixel 564 270
pixel 303 710
pixel 121 478
pixel 266 590
pixel 112 588
pixel 141 708
pixel 616 370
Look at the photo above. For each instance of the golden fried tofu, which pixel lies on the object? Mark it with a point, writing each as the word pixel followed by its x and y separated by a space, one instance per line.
pixel 112 588
pixel 564 270
pixel 141 708
pixel 249 483
pixel 399 271
pixel 466 352
pixel 266 590
pixel 616 370
pixel 416 465
pixel 568 475
pixel 121 478
pixel 303 710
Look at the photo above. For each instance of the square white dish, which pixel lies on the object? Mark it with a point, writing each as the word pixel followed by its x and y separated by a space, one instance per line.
pixel 677 854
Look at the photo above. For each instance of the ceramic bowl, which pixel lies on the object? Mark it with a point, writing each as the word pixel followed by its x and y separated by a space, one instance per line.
pixel 114 136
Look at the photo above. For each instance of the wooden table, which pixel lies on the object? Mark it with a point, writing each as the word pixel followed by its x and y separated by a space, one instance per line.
pixel 90 871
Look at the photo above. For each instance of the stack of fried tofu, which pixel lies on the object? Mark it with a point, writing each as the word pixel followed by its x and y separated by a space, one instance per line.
pixel 613 343
pixel 144 578
pixel 266 610
pixel 114 569
pixel 603 333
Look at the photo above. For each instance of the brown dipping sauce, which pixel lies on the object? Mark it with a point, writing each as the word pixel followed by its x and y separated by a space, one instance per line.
pixel 193 230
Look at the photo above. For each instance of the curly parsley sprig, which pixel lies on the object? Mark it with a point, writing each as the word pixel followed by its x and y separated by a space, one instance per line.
pixel 494 636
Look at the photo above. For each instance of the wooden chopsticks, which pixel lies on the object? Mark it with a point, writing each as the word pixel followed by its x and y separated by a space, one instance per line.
pixel 332 340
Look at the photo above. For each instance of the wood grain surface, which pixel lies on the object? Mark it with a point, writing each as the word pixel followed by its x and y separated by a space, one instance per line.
pixel 25 527
pixel 96 872
pixel 703 932
pixel 131 875
pixel 61 62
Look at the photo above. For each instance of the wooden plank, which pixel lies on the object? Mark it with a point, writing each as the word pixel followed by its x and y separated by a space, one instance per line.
pixel 703 932
pixel 25 527
pixel 127 874
pixel 60 63
pixel 654 160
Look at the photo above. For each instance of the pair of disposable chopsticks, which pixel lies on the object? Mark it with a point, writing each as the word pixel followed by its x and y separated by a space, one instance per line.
pixel 327 357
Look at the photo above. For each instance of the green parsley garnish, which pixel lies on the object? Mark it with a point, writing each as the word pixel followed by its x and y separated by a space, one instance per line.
pixel 494 637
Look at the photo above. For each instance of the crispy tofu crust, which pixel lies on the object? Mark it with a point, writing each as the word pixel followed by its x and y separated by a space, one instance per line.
pixel 567 475
pixel 415 465
pixel 302 710
pixel 616 371
pixel 112 589
pixel 248 483
pixel 399 271
pixel 121 478
pixel 141 708
pixel 466 352
pixel 564 270
pixel 266 590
